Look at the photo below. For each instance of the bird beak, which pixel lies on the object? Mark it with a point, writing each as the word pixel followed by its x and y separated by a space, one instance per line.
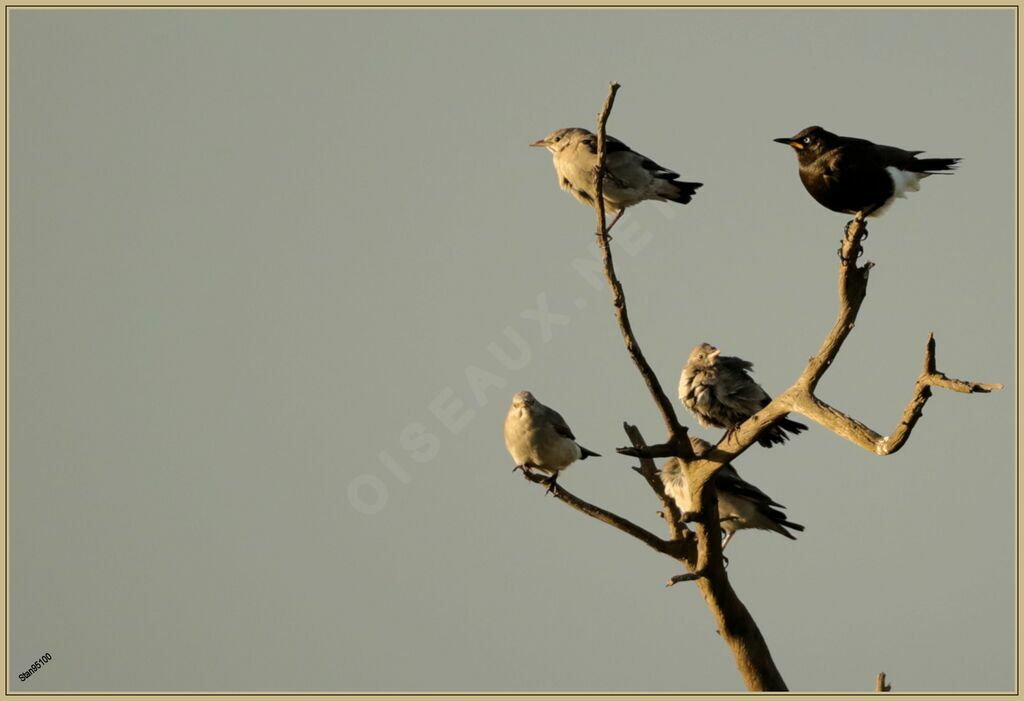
pixel 539 142
pixel 789 142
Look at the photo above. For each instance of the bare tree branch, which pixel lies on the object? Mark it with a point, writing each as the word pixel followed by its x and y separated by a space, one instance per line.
pixel 853 284
pixel 677 434
pixel 649 471
pixel 603 515
pixel 700 550
pixel 688 577
pixel 736 625
pixel 800 397
pixel 856 432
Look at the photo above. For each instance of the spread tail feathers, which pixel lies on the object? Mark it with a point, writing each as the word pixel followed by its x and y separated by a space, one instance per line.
pixel 777 434
pixel 932 165
pixel 678 191
pixel 584 453
pixel 789 524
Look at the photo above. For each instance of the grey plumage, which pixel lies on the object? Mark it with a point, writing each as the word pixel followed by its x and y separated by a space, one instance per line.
pixel 537 437
pixel 720 393
pixel 741 505
pixel 632 177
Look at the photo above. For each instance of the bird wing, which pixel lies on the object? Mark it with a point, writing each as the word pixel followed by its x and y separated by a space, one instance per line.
pixel 728 479
pixel 629 161
pixel 656 170
pixel 619 157
pixel 734 363
pixel 884 155
pixel 611 144
pixel 558 423
pixel 738 391
pixel 851 161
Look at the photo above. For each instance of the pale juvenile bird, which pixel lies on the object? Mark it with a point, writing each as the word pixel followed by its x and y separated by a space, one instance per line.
pixel 631 177
pixel 720 393
pixel 538 438
pixel 852 175
pixel 741 505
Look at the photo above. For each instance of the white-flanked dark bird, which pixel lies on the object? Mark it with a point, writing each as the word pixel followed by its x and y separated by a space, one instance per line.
pixel 631 176
pixel 537 437
pixel 741 505
pixel 852 175
pixel 720 393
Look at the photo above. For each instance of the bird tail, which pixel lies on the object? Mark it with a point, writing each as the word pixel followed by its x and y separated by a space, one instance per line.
pixel 782 528
pixel 932 165
pixel 779 522
pixel 584 453
pixel 678 191
pixel 777 434
pixel 794 526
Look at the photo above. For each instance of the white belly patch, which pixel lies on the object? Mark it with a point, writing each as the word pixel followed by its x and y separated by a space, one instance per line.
pixel 903 181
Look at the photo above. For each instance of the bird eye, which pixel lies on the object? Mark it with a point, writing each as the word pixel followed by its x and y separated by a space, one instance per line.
pixel 806 139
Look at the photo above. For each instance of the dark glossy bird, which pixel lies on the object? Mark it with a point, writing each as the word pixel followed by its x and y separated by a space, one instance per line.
pixel 741 505
pixel 719 391
pixel 855 175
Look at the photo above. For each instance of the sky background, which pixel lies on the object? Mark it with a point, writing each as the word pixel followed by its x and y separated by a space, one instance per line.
pixel 259 260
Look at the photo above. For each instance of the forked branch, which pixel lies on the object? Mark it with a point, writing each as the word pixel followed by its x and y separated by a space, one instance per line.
pixel 856 432
pixel 853 280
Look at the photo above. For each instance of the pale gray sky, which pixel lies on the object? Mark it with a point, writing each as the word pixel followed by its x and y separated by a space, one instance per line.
pixel 250 250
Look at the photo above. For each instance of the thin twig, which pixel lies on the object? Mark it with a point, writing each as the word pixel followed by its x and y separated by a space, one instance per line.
pixel 677 434
pixel 603 515
pixel 649 471
pixel 688 577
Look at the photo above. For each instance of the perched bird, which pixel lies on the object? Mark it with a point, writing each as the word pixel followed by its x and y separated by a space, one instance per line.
pixel 631 177
pixel 537 437
pixel 741 505
pixel 854 175
pixel 720 393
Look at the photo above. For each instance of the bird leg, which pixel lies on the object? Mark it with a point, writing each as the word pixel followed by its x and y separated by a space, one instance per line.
pixel 860 252
pixel 860 217
pixel 526 467
pixel 618 215
pixel 609 227
pixel 552 483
